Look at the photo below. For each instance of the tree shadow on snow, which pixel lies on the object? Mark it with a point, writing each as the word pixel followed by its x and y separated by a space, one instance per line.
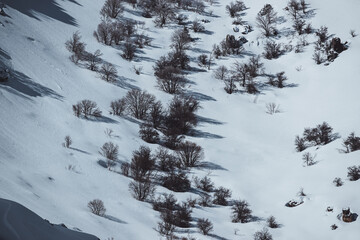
pixel 199 96
pixel 49 8
pixel 211 166
pixel 20 84
pixel 114 219
pixel 200 134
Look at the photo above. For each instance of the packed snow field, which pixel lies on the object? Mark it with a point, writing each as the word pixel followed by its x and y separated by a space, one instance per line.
pixel 246 150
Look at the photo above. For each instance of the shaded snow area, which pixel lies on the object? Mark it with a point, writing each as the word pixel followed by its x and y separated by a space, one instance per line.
pixel 18 222
pixel 246 149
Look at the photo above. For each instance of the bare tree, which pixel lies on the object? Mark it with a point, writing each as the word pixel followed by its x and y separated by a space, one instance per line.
pixel 205 226
pixel 97 207
pixel 272 50
pixel 93 59
pixel 308 159
pixel 197 26
pixel 142 164
pixel 112 8
pixel 139 103
pixel 170 79
pixel 129 51
pixel 271 222
pixel 104 32
pixel 241 212
pixel 76 47
pixel 263 235
pixel 266 20
pixel 108 72
pixel 221 72
pixel 181 118
pixel 110 151
pixel 118 106
pixel 221 196
pixel 190 154
pixel 354 173
pixel 233 9
pixel 293 8
pixel 272 108
pixel 156 115
pixel 164 12
pixel 230 86
pixel 86 108
pixel 68 141
pixel 142 190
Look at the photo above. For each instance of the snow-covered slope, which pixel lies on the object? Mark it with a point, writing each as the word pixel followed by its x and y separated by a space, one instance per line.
pixel 248 151
pixel 18 222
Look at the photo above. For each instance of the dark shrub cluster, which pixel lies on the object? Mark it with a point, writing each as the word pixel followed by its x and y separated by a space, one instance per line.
pixel 351 143
pixel 320 135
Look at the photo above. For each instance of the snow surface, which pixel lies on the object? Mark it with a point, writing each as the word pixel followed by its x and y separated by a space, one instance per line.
pixel 247 150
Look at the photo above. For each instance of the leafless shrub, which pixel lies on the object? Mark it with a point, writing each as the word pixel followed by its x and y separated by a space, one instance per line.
pixel 190 154
pixel 129 51
pixel 108 72
pixel 204 184
pixel 197 26
pixel 139 103
pixel 164 12
pixel 205 200
pixel 97 207
pixel 86 108
pixel 165 202
pixel 221 196
pixel 142 164
pixel 266 20
pixel 308 159
pixel 338 182
pixel 112 8
pixel 104 32
pixel 170 79
pixel 148 134
pixel 221 73
pixel 263 235
pixel 93 59
pixel 166 161
pixel 293 8
pixel 181 118
pixel 166 227
pixel 110 151
pixel 109 132
pixel 271 222
pixel 204 226
pixel 241 212
pixel 76 47
pixel 272 50
pixel 234 9
pixel 299 25
pixel 230 86
pixel 351 143
pixel 125 168
pixel 203 60
pixel 272 108
pixel 118 106
pixel 354 173
pixel 142 190
pixel 68 141
pixel 318 57
pixel 156 115
pixel 138 69
pixel 176 181
pixel 301 193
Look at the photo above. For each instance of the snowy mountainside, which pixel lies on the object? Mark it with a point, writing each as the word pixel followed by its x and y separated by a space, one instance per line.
pixel 30 226
pixel 248 151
